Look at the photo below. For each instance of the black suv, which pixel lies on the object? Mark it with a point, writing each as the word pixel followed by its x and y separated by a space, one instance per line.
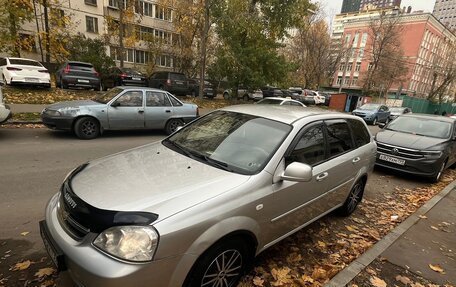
pixel 173 82
pixel 77 74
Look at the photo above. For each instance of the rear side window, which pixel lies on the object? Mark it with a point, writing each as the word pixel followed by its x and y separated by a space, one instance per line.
pixel 25 62
pixel 360 134
pixel 339 137
pixel 310 148
pixel 156 99
pixel 174 101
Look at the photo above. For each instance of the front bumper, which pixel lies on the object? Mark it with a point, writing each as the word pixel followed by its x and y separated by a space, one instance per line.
pixel 5 115
pixel 423 167
pixel 57 123
pixel 89 267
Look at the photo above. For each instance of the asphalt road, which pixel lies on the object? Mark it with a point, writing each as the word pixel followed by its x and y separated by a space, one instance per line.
pixel 34 162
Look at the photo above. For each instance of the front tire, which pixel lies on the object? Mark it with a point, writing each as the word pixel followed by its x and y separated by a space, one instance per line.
pixel 221 265
pixel 172 125
pixel 374 122
pixel 354 198
pixel 438 175
pixel 87 128
pixel 226 96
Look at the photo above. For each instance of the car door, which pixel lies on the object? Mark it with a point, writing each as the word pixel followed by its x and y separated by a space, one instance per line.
pixel 158 109
pixel 127 111
pixel 296 203
pixel 383 113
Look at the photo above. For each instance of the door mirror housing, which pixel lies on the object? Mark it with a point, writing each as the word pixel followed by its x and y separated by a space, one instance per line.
pixel 381 125
pixel 298 172
pixel 115 104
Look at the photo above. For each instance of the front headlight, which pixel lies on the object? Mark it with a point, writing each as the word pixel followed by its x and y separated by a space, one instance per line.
pixel 132 243
pixel 432 154
pixel 52 113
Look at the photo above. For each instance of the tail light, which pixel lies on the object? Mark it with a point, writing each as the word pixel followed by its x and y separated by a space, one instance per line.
pixel 168 82
pixel 123 76
pixel 96 73
pixel 67 69
pixel 13 69
pixel 43 71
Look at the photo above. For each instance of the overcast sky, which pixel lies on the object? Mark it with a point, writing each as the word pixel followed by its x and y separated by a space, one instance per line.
pixel 332 7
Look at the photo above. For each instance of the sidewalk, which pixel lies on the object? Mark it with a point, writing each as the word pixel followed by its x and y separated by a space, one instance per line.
pixel 26 108
pixel 423 242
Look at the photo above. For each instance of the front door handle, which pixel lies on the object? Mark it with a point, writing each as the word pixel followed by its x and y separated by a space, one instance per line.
pixel 167 111
pixel 140 111
pixel 322 176
pixel 356 159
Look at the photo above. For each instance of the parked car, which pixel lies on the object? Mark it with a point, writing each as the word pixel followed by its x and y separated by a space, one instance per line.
pixel 77 74
pixel 5 112
pixel 398 111
pixel 24 71
pixel 242 93
pixel 269 91
pixel 327 97
pixel 280 102
pixel 123 77
pixel 256 95
pixel 173 82
pixel 208 90
pixel 423 145
pixel 202 203
pixel 319 98
pixel 373 113
pixel 308 100
pixel 121 108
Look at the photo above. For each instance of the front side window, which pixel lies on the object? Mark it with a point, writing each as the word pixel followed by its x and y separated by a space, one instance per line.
pixel 310 148
pixel 130 99
pixel 339 137
pixel 231 141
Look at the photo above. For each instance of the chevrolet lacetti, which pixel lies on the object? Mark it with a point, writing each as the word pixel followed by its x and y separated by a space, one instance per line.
pixel 195 208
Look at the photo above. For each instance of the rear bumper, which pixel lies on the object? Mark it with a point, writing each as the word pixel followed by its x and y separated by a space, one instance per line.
pixel 32 80
pixel 84 82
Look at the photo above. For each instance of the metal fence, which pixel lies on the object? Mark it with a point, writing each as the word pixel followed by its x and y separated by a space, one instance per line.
pixel 424 106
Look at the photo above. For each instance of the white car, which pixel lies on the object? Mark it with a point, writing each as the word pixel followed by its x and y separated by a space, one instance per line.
pixel 5 112
pixel 256 95
pixel 24 71
pixel 280 101
pixel 319 99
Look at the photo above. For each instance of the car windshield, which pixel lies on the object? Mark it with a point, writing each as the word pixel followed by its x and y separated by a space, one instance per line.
pixel 81 66
pixel 106 97
pixel 369 107
pixel 25 62
pixel 231 141
pixel 397 110
pixel 269 102
pixel 421 126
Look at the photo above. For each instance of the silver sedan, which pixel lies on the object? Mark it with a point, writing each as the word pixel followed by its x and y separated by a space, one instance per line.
pixel 122 108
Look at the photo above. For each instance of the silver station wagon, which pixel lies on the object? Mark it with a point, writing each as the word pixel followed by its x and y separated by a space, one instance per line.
pixel 122 108
pixel 197 207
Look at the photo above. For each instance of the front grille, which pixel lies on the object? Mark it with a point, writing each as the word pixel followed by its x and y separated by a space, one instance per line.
pixel 359 115
pixel 76 230
pixel 399 151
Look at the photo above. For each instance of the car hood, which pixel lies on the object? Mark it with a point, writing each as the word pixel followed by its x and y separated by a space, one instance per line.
pixel 364 111
pixel 151 178
pixel 408 140
pixel 73 104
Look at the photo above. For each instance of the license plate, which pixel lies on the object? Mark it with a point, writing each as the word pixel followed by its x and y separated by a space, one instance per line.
pixel 392 159
pixel 179 82
pixel 33 80
pixel 55 255
pixel 83 81
pixel 209 93
pixel 136 79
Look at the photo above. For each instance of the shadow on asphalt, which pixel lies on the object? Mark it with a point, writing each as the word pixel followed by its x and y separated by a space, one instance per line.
pixel 108 134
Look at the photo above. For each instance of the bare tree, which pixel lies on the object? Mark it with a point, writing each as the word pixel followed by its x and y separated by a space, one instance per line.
pixel 387 64
pixel 443 71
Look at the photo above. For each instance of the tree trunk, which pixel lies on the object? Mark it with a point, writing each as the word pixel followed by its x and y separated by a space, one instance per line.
pixel 204 34
pixel 13 32
pixel 38 31
pixel 121 35
pixel 46 29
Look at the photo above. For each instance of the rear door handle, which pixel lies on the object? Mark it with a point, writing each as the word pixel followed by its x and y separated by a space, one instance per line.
pixel 356 159
pixel 322 176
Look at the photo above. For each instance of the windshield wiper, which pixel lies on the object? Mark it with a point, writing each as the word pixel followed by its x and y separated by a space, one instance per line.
pixel 217 163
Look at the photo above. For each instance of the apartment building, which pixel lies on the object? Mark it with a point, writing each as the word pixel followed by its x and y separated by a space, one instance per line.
pixel 356 5
pixel 89 18
pixel 445 12
pixel 427 45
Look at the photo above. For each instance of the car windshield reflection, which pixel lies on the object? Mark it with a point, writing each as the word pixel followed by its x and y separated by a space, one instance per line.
pixel 231 141
pixel 419 126
pixel 106 97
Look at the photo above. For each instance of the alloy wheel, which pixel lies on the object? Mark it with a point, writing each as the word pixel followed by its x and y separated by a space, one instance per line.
pixel 354 197
pixel 89 128
pixel 224 270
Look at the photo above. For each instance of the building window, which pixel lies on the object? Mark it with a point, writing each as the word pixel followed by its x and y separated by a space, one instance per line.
pixel 164 61
pixel 91 2
pixel 358 67
pixel 361 53
pixel 146 33
pixel 339 81
pixel 147 8
pixel 57 17
pixel 116 3
pixel 371 65
pixel 355 81
pixel 349 66
pixel 92 24
pixel 347 81
pixel 341 67
pixel 364 39
pixel 163 13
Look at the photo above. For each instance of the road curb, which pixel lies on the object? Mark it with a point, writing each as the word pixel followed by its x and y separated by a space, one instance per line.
pixel 23 123
pixel 351 271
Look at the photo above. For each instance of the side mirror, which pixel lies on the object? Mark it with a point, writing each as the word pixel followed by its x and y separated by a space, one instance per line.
pixel 381 125
pixel 115 104
pixel 298 172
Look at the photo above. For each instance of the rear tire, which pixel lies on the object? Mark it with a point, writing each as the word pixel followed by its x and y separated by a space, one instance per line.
pixel 172 125
pixel 226 96
pixel 87 128
pixel 354 198
pixel 221 265
pixel 64 85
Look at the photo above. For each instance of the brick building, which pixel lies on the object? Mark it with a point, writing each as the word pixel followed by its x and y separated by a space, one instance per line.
pixel 427 45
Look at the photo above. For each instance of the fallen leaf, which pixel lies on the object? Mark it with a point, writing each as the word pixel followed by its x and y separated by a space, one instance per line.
pixel 351 228
pixel 435 228
pixel 306 278
pixel 437 268
pixel 377 282
pixel 257 281
pixel 44 272
pixel 403 279
pixel 21 265
pixel 422 216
